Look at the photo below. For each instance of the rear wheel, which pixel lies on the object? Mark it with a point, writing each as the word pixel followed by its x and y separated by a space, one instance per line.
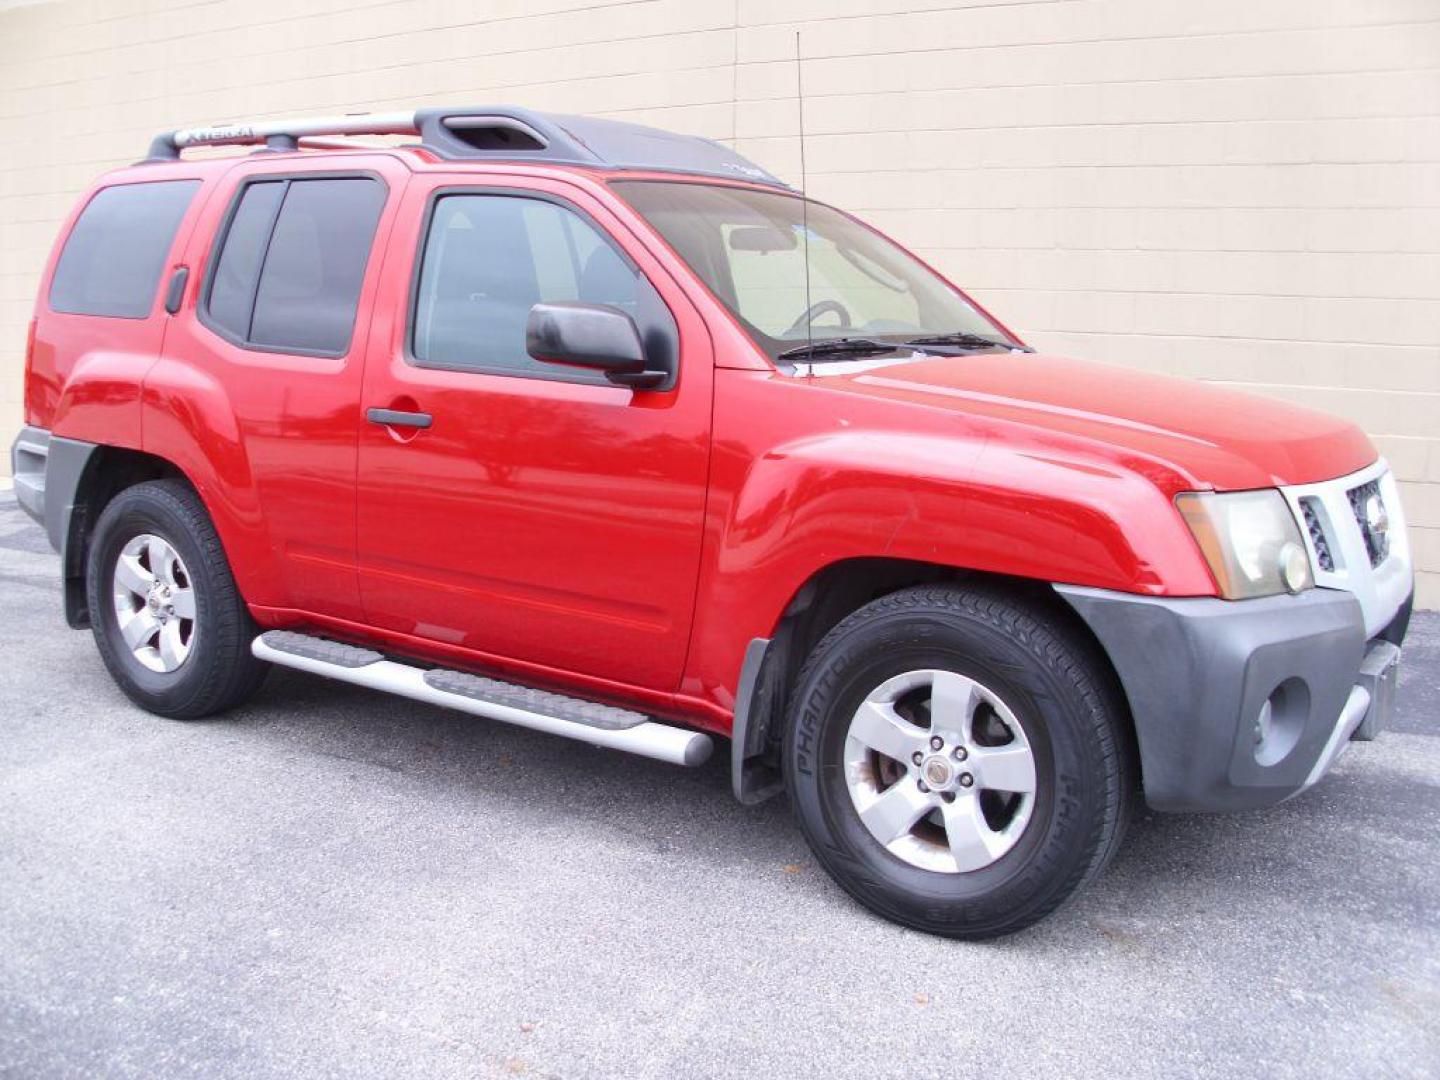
pixel 170 623
pixel 956 762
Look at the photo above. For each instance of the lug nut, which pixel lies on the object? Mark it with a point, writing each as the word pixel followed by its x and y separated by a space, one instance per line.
pixel 924 786
pixel 936 742
pixel 948 796
pixel 917 757
pixel 961 753
pixel 966 780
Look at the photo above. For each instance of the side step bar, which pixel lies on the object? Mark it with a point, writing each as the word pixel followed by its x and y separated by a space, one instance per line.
pixel 556 714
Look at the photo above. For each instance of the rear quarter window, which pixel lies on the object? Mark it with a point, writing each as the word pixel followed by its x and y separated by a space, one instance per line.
pixel 113 258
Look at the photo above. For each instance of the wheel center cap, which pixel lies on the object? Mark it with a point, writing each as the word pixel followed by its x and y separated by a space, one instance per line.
pixel 937 771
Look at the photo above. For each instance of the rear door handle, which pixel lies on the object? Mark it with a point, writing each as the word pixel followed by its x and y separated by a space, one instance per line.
pixel 175 291
pixel 398 418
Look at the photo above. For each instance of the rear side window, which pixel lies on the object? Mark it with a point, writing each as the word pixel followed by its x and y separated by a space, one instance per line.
pixel 290 268
pixel 113 258
pixel 232 290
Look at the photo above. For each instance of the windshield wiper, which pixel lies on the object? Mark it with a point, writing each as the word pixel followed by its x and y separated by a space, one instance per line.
pixel 965 340
pixel 839 346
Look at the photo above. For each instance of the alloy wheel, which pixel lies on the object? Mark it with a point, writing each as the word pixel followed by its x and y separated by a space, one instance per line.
pixel 940 770
pixel 154 603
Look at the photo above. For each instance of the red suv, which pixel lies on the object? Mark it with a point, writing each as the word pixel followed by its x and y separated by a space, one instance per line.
pixel 607 432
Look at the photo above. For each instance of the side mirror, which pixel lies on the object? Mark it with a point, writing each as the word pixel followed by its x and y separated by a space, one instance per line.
pixel 590 336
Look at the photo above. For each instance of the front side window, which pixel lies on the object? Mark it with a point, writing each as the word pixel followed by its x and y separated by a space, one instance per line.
pixel 114 256
pixel 791 271
pixel 489 259
pixel 290 268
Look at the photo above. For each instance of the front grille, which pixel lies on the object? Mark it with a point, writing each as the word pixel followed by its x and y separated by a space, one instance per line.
pixel 1356 524
pixel 1373 519
pixel 1318 539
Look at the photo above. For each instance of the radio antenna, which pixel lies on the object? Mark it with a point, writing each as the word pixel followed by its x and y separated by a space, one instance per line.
pixel 804 205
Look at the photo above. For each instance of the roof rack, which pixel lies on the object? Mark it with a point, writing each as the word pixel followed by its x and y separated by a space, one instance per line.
pixel 489 133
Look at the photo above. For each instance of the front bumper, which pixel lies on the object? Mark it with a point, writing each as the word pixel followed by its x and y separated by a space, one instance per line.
pixel 1242 704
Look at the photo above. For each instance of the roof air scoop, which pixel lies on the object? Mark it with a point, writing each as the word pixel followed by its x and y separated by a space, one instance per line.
pixel 491 133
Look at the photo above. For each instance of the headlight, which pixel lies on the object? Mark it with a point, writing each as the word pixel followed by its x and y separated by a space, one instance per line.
pixel 1251 541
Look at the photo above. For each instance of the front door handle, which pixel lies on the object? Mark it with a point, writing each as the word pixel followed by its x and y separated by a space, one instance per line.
pixel 398 418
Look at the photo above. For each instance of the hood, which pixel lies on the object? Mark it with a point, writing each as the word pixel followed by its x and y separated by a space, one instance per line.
pixel 1211 435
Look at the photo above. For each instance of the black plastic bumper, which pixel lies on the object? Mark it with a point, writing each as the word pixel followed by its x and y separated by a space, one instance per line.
pixel 48 470
pixel 1199 672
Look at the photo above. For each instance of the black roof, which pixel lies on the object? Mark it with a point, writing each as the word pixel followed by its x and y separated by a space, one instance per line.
pixel 494 133
pixel 584 140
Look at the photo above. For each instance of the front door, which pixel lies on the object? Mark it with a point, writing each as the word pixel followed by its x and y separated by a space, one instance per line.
pixel 544 516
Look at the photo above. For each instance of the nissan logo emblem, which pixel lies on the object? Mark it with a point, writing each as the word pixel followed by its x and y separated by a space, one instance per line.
pixel 1377 520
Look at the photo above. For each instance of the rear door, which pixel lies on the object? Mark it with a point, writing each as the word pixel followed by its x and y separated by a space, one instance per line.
pixel 545 516
pixel 266 366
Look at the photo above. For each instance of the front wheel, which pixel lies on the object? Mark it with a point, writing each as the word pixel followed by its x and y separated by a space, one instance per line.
pixel 171 626
pixel 956 760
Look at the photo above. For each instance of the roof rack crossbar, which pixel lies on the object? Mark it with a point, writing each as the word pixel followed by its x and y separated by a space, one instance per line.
pixel 493 133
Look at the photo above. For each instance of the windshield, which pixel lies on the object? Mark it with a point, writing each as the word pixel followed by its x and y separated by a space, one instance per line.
pixel 750 248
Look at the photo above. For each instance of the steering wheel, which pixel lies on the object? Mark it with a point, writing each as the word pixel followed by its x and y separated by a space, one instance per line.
pixel 815 310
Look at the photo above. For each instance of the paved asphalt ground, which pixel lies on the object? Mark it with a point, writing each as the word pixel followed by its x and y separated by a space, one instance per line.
pixel 333 883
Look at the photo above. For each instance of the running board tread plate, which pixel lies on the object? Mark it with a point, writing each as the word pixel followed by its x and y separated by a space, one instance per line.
pixel 589 713
pixel 539 710
pixel 317 648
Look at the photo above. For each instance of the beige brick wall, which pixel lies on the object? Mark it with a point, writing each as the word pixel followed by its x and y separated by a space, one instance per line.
pixel 1239 190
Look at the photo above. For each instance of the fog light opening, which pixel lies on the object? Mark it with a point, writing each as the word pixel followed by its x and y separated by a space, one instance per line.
pixel 1280 721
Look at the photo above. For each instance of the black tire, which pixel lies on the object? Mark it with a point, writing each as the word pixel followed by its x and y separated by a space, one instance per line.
pixel 219 672
pixel 1054 684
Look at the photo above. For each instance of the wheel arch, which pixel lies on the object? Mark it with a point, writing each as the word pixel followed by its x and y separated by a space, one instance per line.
pixel 107 472
pixel 836 591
